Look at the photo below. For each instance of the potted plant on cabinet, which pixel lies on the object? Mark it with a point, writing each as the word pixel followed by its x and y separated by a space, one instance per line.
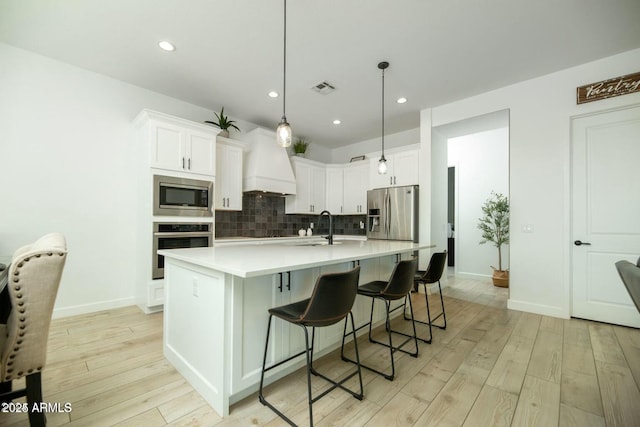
pixel 300 147
pixel 494 225
pixel 223 123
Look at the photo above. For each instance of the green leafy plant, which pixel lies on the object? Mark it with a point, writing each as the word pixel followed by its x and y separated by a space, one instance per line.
pixel 300 146
pixel 223 121
pixel 494 223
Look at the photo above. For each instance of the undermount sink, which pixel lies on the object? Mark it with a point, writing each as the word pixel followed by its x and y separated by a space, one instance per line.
pixel 315 243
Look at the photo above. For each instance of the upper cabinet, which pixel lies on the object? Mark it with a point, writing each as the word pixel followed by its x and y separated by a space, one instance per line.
pixel 402 169
pixel 356 184
pixel 228 192
pixel 310 188
pixel 335 187
pixel 347 187
pixel 180 145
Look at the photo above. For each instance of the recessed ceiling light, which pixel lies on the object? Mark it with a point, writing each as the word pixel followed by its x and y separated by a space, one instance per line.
pixel 165 45
pixel 336 122
pixel 401 100
pixel 273 94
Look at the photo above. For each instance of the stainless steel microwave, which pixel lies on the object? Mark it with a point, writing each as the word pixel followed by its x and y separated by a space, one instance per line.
pixel 173 196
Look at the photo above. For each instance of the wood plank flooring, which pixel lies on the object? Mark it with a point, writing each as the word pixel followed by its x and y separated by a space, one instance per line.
pixel 490 367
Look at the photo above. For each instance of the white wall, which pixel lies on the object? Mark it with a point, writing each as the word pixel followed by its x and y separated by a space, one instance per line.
pixel 395 140
pixel 482 166
pixel 539 178
pixel 66 140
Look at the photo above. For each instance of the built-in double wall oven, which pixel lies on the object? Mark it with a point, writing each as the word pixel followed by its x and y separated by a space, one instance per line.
pixel 178 197
pixel 178 235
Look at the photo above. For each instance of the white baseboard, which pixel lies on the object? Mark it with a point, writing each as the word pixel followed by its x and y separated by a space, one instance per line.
pixel 473 275
pixel 91 308
pixel 545 310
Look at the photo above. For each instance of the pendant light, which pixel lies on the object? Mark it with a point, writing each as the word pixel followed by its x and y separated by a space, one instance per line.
pixel 283 133
pixel 382 163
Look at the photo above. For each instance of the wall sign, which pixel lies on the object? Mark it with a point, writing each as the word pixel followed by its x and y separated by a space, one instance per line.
pixel 617 86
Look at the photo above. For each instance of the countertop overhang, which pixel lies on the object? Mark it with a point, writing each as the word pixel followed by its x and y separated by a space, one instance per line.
pixel 262 258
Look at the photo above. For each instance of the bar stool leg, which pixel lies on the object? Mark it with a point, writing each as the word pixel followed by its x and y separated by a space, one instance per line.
pixel 309 354
pixel 428 322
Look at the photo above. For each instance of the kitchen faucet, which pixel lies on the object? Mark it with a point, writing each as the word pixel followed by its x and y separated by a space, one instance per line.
pixel 330 236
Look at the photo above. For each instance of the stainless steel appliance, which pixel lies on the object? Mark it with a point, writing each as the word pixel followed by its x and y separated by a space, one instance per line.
pixel 392 213
pixel 181 196
pixel 177 235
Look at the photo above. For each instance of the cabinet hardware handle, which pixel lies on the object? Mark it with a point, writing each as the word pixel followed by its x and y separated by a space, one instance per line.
pixel 280 286
pixel 288 280
pixel 189 163
pixel 390 180
pixel 183 163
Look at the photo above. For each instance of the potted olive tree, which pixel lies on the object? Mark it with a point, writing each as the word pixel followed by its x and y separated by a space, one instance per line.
pixel 223 123
pixel 494 225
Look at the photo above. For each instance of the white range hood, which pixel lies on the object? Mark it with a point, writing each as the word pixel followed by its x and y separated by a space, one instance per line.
pixel 266 165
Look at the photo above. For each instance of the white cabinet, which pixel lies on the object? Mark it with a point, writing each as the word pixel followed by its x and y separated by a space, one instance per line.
pixel 356 184
pixel 252 298
pixel 310 188
pixel 228 190
pixel 182 146
pixel 402 169
pixel 295 286
pixel 335 189
pixel 347 187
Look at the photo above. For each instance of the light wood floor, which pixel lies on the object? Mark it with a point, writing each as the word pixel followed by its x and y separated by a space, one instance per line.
pixel 491 366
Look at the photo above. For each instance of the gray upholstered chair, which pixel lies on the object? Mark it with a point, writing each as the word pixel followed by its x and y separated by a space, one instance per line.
pixel 34 277
pixel 630 275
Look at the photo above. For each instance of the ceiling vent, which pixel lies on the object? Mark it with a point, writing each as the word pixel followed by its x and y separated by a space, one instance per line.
pixel 324 87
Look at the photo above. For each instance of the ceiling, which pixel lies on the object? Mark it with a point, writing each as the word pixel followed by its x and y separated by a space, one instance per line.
pixel 229 52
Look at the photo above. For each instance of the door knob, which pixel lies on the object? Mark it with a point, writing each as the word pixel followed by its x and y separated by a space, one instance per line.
pixel 580 243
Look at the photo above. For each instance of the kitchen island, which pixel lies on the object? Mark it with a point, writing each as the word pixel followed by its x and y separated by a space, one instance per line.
pixel 216 302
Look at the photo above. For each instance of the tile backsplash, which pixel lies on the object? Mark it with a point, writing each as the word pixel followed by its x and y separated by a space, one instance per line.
pixel 263 216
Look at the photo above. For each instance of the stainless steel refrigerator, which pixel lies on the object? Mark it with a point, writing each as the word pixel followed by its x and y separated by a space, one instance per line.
pixel 392 213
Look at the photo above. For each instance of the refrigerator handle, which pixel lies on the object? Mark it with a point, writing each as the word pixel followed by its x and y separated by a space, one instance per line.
pixel 388 214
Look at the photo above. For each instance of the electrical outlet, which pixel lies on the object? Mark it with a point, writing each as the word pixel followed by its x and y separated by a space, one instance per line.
pixel 311 225
pixel 527 228
pixel 196 291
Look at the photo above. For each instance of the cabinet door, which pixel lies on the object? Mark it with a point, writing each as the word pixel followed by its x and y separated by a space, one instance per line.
pixel 356 183
pixel 228 191
pixel 234 178
pixel 405 167
pixel 167 146
pixel 317 187
pixel 201 153
pixel 296 286
pixel 335 190
pixel 301 202
pixel 251 301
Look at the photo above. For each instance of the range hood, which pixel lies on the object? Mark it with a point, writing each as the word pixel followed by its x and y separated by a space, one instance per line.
pixel 266 165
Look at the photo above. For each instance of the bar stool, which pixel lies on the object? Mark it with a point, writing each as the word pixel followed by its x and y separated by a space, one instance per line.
pixel 331 301
pixel 432 274
pixel 399 286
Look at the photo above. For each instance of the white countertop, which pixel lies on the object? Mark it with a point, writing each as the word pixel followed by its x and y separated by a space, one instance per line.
pixel 258 258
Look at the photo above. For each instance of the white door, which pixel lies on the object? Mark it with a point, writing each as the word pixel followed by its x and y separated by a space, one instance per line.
pixel 605 213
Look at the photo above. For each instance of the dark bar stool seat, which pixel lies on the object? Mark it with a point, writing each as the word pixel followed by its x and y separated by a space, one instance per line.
pixel 432 274
pixel 399 286
pixel 331 302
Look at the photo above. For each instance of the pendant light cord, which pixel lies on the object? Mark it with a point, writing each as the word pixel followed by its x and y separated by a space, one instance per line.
pixel 284 79
pixel 383 113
